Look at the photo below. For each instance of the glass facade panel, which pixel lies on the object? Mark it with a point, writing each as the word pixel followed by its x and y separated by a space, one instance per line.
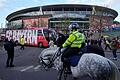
pixel 15 24
pixel 63 23
pixel 70 11
pixel 80 13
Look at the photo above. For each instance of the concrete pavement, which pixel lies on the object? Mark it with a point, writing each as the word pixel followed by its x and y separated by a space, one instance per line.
pixel 109 55
pixel 27 67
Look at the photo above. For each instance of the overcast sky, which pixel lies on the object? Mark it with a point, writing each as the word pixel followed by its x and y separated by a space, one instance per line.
pixel 9 6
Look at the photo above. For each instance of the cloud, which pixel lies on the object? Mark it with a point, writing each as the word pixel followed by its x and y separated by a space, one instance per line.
pixel 115 2
pixel 73 1
pixel 2 3
pixel 20 8
pixel 36 1
pixel 107 3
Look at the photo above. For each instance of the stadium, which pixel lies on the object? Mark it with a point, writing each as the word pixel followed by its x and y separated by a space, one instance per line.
pixel 59 16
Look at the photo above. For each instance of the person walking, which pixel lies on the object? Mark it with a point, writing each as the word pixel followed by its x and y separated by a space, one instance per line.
pixel 9 47
pixel 72 45
pixel 100 40
pixel 107 44
pixel 22 42
pixel 114 48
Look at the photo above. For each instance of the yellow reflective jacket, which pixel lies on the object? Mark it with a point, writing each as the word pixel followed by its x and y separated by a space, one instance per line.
pixel 22 42
pixel 75 40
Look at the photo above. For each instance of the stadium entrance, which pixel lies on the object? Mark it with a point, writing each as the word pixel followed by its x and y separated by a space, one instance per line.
pixel 63 23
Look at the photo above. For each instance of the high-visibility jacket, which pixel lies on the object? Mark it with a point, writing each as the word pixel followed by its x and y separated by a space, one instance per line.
pixel 75 40
pixel 22 42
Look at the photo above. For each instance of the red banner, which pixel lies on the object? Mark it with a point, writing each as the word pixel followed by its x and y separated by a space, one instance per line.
pixel 36 22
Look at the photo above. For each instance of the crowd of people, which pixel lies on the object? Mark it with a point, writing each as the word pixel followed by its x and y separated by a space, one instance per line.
pixel 75 42
pixel 98 46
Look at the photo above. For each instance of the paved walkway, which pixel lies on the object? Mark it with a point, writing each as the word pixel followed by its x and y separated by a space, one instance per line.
pixel 110 56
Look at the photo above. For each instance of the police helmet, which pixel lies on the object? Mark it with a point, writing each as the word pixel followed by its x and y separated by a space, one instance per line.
pixel 73 26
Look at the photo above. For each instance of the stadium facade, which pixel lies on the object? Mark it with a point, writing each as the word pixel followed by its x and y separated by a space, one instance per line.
pixel 59 16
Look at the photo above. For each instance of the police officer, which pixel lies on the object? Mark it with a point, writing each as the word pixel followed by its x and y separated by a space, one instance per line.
pixel 72 44
pixel 22 42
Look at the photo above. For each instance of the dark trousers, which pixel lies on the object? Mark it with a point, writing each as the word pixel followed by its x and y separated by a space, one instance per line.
pixel 114 53
pixel 69 52
pixel 107 46
pixel 10 58
pixel 22 47
pixel 66 54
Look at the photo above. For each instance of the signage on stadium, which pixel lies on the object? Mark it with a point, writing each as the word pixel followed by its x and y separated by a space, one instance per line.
pixel 70 15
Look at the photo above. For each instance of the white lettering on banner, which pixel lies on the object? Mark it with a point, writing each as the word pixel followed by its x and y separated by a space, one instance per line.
pixel 30 36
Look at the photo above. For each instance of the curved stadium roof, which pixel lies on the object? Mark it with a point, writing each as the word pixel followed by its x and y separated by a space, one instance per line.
pixel 58 7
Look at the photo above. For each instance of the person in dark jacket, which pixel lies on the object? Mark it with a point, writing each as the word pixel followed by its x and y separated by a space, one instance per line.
pixel 94 48
pixel 9 47
pixel 60 38
pixel 100 41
